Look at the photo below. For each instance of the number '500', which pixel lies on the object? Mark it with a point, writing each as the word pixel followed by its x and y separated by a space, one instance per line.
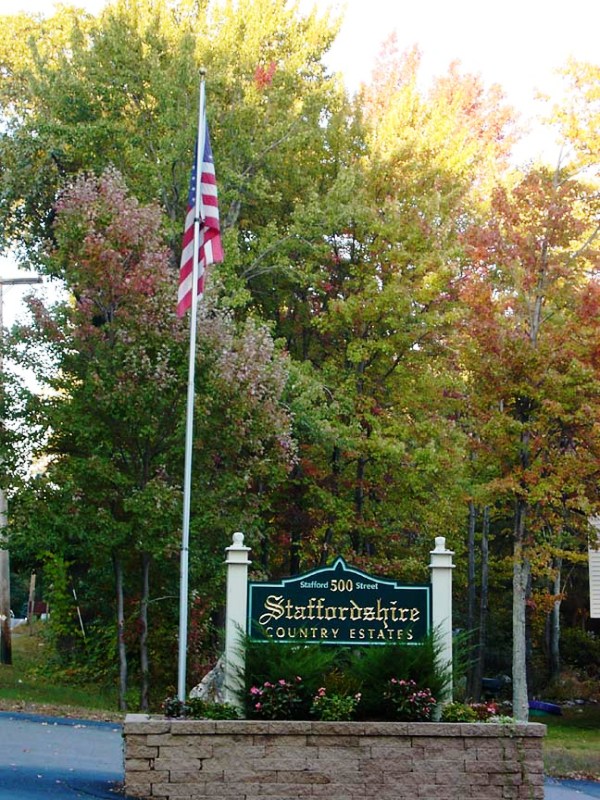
pixel 342 585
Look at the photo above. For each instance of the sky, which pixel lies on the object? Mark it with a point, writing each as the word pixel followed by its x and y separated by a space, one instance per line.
pixel 519 44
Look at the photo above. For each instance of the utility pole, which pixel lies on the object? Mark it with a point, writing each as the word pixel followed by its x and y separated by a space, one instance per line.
pixel 5 632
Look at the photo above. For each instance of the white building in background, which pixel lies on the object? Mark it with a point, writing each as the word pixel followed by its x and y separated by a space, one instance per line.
pixel 594 563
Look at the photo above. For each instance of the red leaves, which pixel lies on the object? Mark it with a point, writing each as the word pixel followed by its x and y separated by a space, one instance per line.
pixel 263 76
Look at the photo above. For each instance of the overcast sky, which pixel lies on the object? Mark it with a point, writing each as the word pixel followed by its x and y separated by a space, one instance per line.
pixel 518 44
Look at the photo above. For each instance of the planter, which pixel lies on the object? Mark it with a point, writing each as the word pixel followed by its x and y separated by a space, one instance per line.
pixel 249 760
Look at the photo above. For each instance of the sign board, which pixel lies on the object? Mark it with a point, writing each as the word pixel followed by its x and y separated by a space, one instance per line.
pixel 338 605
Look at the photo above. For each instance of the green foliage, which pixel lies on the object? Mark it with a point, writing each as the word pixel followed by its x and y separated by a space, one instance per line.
pixel 458 712
pixel 472 712
pixel 374 667
pixel 279 700
pixel 269 661
pixel 409 702
pixel 581 649
pixel 62 630
pixel 196 708
pixel 332 707
pixel 340 672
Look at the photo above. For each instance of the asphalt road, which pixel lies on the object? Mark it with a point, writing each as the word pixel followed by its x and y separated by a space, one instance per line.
pixel 45 758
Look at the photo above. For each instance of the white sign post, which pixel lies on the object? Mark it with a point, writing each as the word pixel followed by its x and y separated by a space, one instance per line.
pixel 441 605
pixel 235 620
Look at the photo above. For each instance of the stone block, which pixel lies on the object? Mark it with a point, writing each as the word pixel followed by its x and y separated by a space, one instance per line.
pixel 176 761
pixel 141 788
pixel 137 764
pixel 143 724
pixel 141 751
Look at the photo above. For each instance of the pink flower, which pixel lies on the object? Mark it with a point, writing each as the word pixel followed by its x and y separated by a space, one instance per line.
pixel 255 690
pixel 282 681
pixel 258 706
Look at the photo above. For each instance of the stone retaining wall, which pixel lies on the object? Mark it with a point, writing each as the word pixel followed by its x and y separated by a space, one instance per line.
pixel 251 760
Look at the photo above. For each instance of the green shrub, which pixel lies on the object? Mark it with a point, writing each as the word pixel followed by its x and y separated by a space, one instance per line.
pixel 341 671
pixel 408 702
pixel 581 649
pixel 195 708
pixel 280 699
pixel 458 712
pixel 330 708
pixel 203 709
pixel 374 667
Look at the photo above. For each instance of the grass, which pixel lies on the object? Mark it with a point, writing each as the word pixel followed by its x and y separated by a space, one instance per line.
pixel 25 686
pixel 572 743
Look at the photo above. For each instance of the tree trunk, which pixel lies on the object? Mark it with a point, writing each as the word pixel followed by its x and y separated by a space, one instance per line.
pixel 483 607
pixel 335 473
pixel 471 599
pixel 144 661
pixel 521 571
pixel 296 522
pixel 555 623
pixel 359 500
pixel 118 568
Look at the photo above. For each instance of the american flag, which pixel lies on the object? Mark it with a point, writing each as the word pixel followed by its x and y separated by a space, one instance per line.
pixel 210 250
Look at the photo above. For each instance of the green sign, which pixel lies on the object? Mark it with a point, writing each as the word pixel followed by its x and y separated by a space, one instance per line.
pixel 338 605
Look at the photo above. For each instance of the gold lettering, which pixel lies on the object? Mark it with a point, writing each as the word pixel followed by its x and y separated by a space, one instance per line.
pixel 414 614
pixel 355 611
pixel 274 605
pixel 382 613
pixel 369 613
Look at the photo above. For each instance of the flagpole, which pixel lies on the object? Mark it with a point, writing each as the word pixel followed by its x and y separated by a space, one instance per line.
pixel 189 424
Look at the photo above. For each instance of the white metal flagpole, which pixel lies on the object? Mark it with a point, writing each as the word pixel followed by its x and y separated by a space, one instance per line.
pixel 189 425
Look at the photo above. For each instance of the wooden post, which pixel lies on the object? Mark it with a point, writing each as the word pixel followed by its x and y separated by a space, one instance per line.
pixel 441 605
pixel 235 622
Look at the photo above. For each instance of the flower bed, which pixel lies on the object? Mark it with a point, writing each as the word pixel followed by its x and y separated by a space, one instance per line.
pixel 181 759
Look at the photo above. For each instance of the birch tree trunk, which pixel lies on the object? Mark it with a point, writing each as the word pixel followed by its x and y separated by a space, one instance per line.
pixel 555 623
pixel 483 607
pixel 144 661
pixel 471 601
pixel 118 569
pixel 521 571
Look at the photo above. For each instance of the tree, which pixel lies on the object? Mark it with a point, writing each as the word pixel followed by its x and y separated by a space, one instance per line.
pixel 578 117
pixel 374 314
pixel 529 357
pixel 111 424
